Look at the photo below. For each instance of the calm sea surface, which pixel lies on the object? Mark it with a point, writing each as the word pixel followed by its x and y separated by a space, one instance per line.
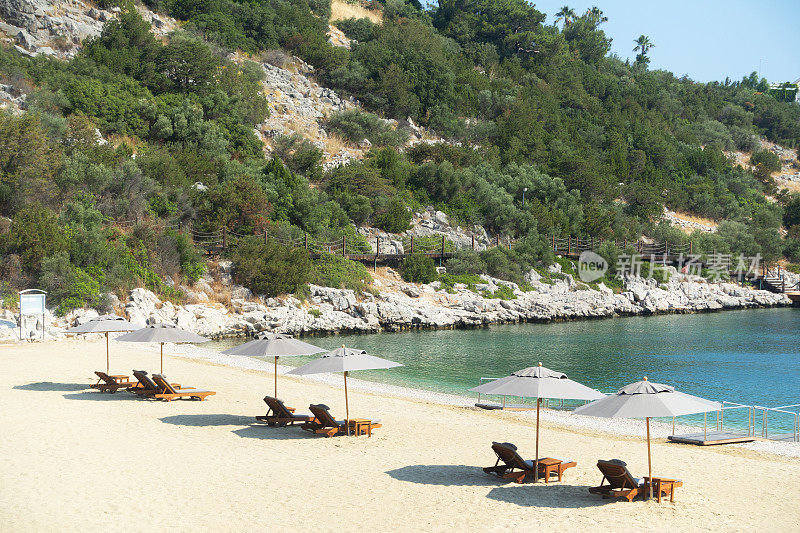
pixel 749 357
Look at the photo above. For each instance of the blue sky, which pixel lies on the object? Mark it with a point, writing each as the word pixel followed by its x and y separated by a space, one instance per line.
pixel 706 39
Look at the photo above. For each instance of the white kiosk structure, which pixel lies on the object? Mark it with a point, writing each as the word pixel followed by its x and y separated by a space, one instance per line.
pixel 31 303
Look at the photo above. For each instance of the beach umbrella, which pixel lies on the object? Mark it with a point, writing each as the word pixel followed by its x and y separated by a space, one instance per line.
pixel 344 360
pixel 645 399
pixel 162 333
pixel 274 345
pixel 539 382
pixel 104 324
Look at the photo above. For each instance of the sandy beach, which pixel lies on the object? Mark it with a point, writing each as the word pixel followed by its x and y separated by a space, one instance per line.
pixel 72 458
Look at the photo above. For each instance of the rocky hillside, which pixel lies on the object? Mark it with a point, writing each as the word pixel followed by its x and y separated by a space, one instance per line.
pixel 398 305
pixel 58 27
pixel 298 104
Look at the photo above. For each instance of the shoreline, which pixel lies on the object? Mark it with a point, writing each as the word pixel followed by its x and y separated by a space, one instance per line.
pixel 559 320
pixel 400 306
pixel 563 419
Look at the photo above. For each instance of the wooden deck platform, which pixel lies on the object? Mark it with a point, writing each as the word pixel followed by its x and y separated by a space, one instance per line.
pixel 507 407
pixel 794 296
pixel 711 438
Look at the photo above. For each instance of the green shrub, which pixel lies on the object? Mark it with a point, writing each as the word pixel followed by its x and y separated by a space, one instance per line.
pixel 68 285
pixel 448 281
pixel 355 126
pixel 192 264
pixel 609 251
pixel 341 273
pixel 8 295
pixel 503 292
pixel 466 262
pixel 418 268
pixel 300 155
pixel 361 29
pixel 766 159
pixel 395 217
pixel 270 269
pixel 321 8
pixel 316 313
pixel 35 234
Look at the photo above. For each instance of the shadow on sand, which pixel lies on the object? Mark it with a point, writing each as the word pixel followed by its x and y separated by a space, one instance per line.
pixel 553 495
pixel 98 396
pixel 208 420
pixel 264 432
pixel 449 475
pixel 49 386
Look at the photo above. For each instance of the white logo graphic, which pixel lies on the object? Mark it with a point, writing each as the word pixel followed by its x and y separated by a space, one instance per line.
pixel 591 267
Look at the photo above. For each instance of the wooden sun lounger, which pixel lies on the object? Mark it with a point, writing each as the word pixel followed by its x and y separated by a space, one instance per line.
pixel 280 415
pixel 511 465
pixel 621 484
pixel 325 424
pixel 147 387
pixel 112 383
pixel 172 393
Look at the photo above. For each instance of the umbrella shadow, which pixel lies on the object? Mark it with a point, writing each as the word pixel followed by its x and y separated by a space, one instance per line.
pixel 208 420
pixel 264 432
pixel 49 386
pixel 550 495
pixel 445 475
pixel 98 396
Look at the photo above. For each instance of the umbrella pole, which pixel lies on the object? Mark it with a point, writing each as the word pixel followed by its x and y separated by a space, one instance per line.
pixel 276 376
pixel 107 365
pixel 162 357
pixel 346 406
pixel 536 467
pixel 649 464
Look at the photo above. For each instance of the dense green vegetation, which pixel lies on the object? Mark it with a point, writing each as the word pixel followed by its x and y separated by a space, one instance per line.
pixel 100 173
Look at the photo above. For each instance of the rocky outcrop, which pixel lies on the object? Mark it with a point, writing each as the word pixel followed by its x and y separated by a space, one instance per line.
pixel 433 223
pixel 298 105
pixel 51 27
pixel 679 221
pixel 427 223
pixel 58 27
pixel 400 305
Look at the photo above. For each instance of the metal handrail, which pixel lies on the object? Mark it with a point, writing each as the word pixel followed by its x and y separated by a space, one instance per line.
pixel 765 419
pixel 732 406
pixel 487 379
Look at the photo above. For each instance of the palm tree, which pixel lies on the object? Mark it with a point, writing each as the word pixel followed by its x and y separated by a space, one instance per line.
pixel 567 14
pixel 643 45
pixel 595 15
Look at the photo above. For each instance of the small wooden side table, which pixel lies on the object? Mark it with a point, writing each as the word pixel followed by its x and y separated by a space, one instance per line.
pixel 361 426
pixel 549 465
pixel 662 484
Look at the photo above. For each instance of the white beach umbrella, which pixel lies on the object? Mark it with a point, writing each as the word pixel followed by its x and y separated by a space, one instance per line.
pixel 343 360
pixel 104 324
pixel 162 333
pixel 539 382
pixel 645 399
pixel 274 345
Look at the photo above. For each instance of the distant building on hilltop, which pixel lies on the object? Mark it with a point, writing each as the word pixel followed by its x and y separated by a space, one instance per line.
pixel 779 91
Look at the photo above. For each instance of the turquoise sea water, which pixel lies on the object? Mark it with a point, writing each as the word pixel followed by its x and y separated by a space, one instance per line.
pixel 749 357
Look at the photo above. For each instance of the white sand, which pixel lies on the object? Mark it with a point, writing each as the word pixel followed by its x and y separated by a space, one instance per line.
pixel 73 458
